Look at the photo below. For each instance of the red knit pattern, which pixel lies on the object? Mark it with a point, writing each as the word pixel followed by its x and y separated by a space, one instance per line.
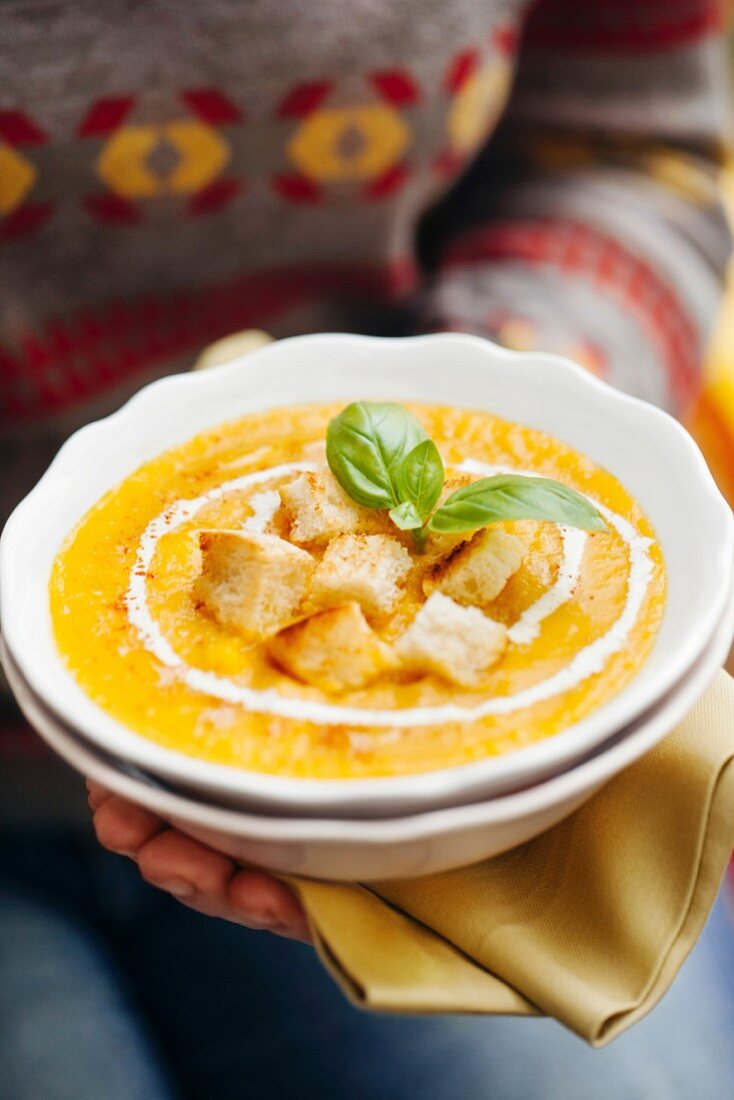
pixel 105 116
pixel 624 26
pixel 578 250
pixel 74 361
pixel 303 99
pixel 16 128
pixel 26 219
pixel 396 86
pixel 211 106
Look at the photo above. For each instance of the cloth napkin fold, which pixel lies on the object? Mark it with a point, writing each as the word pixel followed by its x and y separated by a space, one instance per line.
pixel 588 923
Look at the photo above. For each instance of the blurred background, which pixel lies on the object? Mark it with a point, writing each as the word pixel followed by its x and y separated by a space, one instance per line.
pixel 712 419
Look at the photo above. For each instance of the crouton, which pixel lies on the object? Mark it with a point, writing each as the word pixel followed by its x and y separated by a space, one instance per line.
pixel 251 581
pixel 335 650
pixel 478 571
pixel 365 568
pixel 452 484
pixel 457 643
pixel 440 544
pixel 318 508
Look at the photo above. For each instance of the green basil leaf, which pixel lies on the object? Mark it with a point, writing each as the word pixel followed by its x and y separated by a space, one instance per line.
pixel 513 496
pixel 406 516
pixel 420 477
pixel 365 445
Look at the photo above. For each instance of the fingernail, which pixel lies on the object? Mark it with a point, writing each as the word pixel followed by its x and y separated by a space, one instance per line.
pixel 178 888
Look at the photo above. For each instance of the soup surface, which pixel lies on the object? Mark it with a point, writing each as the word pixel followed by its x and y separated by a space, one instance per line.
pixel 581 611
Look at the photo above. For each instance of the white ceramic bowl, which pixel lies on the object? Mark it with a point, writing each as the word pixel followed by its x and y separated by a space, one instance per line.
pixel 647 450
pixel 403 847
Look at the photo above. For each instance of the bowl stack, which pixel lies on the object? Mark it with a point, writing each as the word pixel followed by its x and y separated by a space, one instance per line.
pixel 371 829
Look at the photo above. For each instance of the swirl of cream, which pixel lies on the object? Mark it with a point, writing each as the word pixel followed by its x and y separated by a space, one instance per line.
pixel 587 662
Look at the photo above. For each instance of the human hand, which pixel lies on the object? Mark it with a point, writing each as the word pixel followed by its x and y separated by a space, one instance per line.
pixel 196 875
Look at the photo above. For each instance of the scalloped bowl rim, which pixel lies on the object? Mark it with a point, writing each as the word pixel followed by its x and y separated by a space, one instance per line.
pixel 346 367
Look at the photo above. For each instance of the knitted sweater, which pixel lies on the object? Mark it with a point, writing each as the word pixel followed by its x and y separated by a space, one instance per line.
pixel 171 172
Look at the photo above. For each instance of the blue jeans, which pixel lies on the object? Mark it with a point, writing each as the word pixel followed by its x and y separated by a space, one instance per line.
pixel 111 991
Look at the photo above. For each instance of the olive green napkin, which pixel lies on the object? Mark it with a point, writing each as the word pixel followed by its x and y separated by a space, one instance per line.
pixel 588 923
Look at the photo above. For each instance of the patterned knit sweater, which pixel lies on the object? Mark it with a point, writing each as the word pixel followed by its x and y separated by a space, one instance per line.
pixel 173 171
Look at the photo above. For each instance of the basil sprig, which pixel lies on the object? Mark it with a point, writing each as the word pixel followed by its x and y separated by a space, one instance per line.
pixel 382 458
pixel 406 516
pixel 365 445
pixel 514 496
pixel 420 479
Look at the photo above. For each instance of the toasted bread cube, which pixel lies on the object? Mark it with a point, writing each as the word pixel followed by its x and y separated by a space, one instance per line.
pixel 452 484
pixel 440 544
pixel 335 650
pixel 457 643
pixel 318 508
pixel 365 568
pixel 478 571
pixel 251 581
